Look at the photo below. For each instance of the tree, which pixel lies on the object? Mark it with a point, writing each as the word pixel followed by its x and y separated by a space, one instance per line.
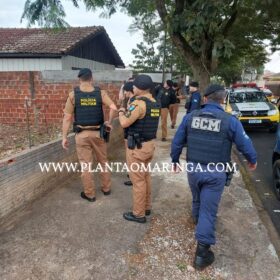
pixel 146 58
pixel 231 69
pixel 204 32
pixel 156 51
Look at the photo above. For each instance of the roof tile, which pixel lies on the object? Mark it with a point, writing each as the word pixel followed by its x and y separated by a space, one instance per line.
pixel 36 41
pixel 42 40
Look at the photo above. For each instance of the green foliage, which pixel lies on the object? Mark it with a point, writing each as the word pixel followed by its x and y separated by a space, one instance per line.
pixel 250 57
pixel 148 57
pixel 48 13
pixel 207 35
pixel 145 58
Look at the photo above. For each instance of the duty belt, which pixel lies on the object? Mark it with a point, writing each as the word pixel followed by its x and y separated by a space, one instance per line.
pixel 78 129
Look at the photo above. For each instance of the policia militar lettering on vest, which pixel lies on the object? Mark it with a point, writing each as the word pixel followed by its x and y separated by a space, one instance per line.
pixel 146 129
pixel 210 127
pixel 88 108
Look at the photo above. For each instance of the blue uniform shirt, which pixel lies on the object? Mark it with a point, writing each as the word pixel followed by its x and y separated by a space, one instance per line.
pixel 194 102
pixel 236 134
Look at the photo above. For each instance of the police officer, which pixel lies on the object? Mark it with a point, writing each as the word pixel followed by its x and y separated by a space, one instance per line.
pixel 121 91
pixel 209 134
pixel 194 100
pixel 142 122
pixel 85 104
pixel 167 98
pixel 128 99
pixel 174 108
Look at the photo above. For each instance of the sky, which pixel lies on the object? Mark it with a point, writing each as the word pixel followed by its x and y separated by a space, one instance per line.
pixel 116 27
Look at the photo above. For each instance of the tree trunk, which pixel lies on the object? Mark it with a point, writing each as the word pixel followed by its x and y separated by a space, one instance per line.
pixel 201 75
pixel 201 64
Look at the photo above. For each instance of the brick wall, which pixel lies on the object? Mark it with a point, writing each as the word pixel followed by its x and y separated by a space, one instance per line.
pixel 21 180
pixel 45 99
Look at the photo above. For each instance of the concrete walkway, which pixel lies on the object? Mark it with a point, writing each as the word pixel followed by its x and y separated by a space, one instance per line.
pixel 62 236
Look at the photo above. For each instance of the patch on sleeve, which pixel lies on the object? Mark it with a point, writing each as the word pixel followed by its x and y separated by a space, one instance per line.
pixel 245 135
pixel 132 107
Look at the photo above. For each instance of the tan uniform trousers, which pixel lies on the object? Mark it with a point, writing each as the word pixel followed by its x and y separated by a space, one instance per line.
pixel 141 180
pixel 164 115
pixel 88 143
pixel 173 111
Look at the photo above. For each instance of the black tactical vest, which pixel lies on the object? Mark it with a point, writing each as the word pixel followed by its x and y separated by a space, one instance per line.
pixel 147 127
pixel 207 137
pixel 88 107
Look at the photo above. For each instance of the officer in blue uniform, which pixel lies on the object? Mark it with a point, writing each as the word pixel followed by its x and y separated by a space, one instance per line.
pixel 194 100
pixel 209 134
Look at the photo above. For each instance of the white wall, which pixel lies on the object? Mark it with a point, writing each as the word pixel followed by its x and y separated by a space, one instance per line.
pixel 30 64
pixel 41 64
pixel 157 77
pixel 71 61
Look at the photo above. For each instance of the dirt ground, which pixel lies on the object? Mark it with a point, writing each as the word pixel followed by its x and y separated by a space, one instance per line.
pixel 15 138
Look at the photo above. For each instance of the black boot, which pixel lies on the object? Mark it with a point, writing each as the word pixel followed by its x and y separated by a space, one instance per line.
pixel 203 256
pixel 131 217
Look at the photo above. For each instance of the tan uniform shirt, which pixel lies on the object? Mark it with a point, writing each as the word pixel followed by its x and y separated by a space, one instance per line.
pixel 136 110
pixel 70 103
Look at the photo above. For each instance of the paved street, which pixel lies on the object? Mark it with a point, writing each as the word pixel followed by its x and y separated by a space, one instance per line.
pixel 262 178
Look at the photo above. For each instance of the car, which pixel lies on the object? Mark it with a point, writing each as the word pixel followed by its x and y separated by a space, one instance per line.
pixel 276 165
pixel 252 108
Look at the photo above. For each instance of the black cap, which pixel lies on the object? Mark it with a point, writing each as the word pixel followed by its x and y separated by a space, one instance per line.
pixel 169 83
pixel 213 88
pixel 84 72
pixel 194 84
pixel 143 82
pixel 128 86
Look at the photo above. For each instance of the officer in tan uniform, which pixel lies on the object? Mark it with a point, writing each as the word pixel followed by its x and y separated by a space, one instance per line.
pixel 141 122
pixel 85 104
pixel 128 99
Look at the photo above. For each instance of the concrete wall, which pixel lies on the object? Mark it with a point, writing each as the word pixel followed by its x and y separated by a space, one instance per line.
pixel 71 61
pixel 21 179
pixel 105 76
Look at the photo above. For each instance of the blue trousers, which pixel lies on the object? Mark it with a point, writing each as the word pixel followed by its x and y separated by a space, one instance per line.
pixel 207 189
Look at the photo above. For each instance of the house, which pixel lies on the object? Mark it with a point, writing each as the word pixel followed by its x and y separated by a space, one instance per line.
pixel 39 49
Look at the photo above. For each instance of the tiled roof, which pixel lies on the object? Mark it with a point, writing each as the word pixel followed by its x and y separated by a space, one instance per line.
pixel 42 41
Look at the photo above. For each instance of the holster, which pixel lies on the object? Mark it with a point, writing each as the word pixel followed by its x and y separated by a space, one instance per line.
pixel 138 140
pixel 76 129
pixel 104 133
pixel 133 141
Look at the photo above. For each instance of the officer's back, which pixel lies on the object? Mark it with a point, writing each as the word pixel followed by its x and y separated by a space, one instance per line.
pixel 209 134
